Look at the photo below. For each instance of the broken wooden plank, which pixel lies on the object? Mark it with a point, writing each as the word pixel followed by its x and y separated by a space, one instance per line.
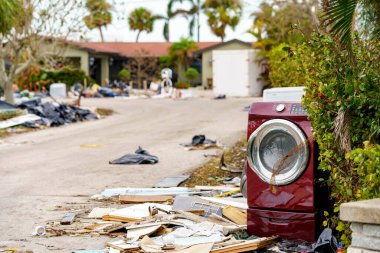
pixel 68 218
pixel 235 215
pixel 122 245
pixel 171 181
pixel 127 199
pixel 18 120
pixel 247 245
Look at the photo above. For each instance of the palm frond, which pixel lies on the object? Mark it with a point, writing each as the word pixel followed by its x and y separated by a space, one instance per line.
pixel 339 17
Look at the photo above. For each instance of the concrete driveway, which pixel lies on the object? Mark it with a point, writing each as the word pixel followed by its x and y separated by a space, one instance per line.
pixel 45 169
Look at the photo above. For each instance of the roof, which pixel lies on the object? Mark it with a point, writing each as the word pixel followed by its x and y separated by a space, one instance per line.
pixel 218 45
pixel 134 49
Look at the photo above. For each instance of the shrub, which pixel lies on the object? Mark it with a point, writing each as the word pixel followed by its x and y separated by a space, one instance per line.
pixel 69 76
pixel 182 85
pixel 284 69
pixel 342 99
pixel 191 74
pixel 124 74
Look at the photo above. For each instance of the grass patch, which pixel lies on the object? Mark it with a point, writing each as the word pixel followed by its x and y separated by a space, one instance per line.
pixel 104 111
pixel 10 114
pixel 15 130
pixel 210 174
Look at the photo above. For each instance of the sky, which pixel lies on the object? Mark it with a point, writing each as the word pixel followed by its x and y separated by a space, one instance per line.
pixel 120 31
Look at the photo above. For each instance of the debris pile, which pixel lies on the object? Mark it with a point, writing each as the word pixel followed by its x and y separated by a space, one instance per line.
pixel 174 219
pixel 34 113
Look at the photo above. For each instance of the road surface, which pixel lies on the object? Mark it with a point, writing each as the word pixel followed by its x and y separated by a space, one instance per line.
pixel 42 171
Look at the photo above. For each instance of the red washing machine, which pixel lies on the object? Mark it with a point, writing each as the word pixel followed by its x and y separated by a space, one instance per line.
pixel 283 196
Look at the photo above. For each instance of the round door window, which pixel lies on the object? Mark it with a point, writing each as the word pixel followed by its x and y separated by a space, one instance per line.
pixel 278 152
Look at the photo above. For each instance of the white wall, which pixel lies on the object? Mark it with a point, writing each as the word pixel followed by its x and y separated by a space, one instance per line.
pixel 235 73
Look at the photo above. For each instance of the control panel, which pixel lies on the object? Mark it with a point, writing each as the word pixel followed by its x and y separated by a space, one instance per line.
pixel 297 109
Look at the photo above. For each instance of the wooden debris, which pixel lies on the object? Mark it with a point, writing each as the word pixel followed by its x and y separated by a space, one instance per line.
pixel 99 212
pixel 123 246
pixel 127 199
pixel 235 215
pixel 247 246
pixel 68 219
pixel 118 218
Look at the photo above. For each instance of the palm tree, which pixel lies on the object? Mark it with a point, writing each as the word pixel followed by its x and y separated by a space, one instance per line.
pixel 193 12
pixel 142 20
pixel 9 11
pixel 222 13
pixel 99 16
pixel 340 16
pixel 180 53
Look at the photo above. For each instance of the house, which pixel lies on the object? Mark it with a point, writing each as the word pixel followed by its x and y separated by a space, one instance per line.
pixel 102 61
pixel 206 55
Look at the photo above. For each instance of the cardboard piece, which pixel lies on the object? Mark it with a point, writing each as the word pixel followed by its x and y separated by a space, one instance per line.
pixel 141 232
pixel 235 215
pixel 171 181
pixel 98 212
pixel 127 199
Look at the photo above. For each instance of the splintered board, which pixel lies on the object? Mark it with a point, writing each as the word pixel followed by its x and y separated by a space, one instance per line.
pixel 235 215
pixel 247 245
pixel 127 199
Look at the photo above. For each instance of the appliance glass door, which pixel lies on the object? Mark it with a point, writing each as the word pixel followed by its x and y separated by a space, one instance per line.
pixel 278 152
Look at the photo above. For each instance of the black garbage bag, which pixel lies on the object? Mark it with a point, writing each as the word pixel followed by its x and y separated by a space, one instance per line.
pixel 199 140
pixel 140 156
pixel 326 243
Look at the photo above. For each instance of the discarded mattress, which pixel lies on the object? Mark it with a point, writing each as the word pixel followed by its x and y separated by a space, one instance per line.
pixel 140 156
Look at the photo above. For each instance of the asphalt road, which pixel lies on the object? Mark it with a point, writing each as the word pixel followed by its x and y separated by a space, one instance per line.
pixel 44 170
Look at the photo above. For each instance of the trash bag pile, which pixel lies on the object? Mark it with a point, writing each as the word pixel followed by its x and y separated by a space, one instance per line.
pixel 54 114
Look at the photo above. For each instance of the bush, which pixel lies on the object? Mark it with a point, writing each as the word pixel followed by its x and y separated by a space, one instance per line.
pixel 342 99
pixel 284 68
pixel 191 74
pixel 124 74
pixel 182 85
pixel 69 76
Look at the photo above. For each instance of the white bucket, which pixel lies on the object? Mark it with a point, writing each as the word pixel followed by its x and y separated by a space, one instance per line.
pixel 58 90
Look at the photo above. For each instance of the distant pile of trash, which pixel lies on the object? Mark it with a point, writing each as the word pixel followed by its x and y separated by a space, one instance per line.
pixel 34 113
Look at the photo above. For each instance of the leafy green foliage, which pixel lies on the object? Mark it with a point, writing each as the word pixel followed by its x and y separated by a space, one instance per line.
pixel 221 14
pixel 141 19
pixel 279 22
pixel 336 85
pixel 99 16
pixel 68 76
pixel 9 13
pixel 124 74
pixel 180 55
pixel 182 85
pixel 191 74
pixel 284 68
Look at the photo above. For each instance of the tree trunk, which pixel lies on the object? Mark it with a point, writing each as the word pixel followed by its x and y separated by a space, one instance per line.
pixel 198 21
pixel 8 91
pixel 101 33
pixel 138 35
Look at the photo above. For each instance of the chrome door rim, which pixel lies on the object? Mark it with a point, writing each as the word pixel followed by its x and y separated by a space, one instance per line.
pixel 255 162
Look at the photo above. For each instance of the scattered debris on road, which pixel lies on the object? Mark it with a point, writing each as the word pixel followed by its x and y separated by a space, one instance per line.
pixel 141 156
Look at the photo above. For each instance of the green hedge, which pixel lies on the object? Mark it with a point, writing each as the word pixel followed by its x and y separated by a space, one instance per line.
pixel 342 100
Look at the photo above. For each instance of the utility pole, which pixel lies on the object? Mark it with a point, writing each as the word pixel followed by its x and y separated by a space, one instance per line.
pixel 198 21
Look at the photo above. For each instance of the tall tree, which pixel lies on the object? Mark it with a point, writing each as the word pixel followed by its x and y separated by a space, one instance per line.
pixel 100 15
pixel 181 53
pixel 28 39
pixel 340 17
pixel 221 14
pixel 282 22
pixel 172 12
pixel 142 20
